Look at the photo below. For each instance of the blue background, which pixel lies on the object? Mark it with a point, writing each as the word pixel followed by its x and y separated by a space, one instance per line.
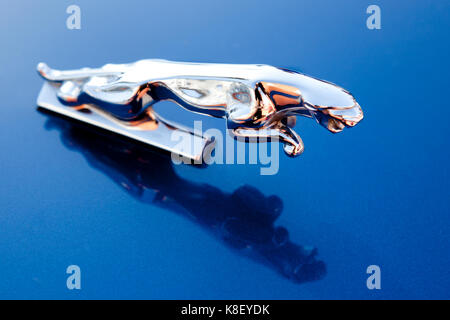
pixel 374 194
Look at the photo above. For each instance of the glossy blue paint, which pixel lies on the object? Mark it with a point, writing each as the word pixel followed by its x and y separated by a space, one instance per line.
pixel 375 194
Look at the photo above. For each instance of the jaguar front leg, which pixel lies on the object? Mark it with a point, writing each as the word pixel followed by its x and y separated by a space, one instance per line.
pixel 293 144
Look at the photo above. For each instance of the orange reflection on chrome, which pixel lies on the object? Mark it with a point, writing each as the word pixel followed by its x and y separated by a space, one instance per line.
pixel 281 94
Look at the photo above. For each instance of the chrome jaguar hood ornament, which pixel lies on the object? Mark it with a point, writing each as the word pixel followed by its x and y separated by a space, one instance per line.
pixel 258 101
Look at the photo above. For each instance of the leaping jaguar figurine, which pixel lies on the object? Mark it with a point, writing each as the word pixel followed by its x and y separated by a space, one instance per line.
pixel 258 101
